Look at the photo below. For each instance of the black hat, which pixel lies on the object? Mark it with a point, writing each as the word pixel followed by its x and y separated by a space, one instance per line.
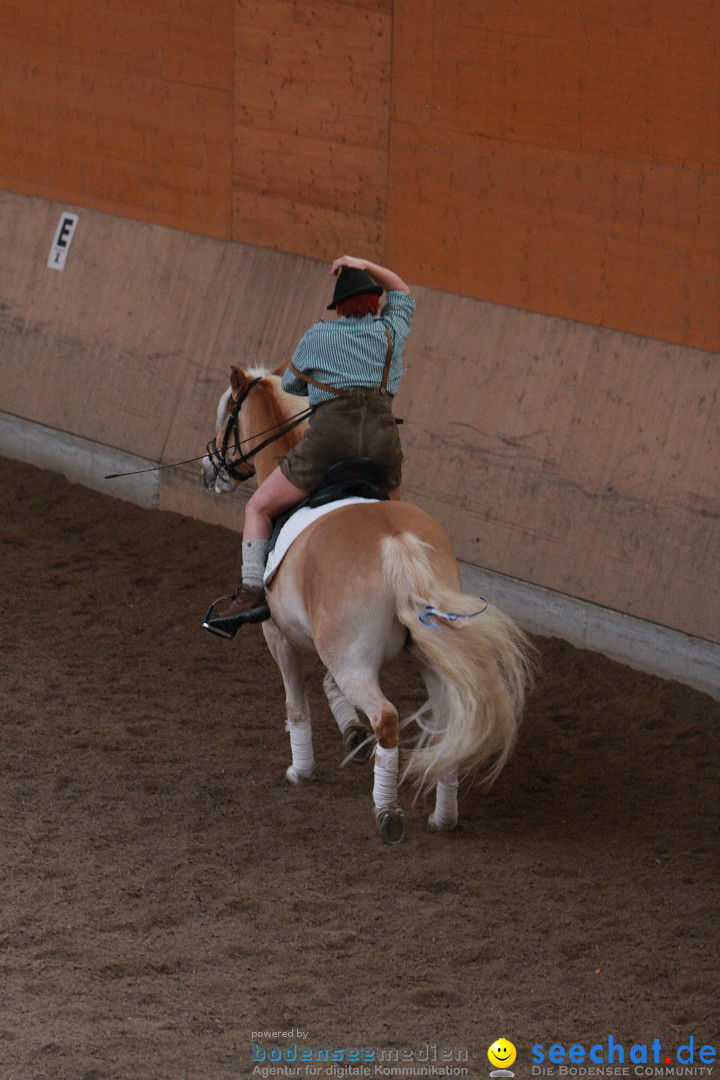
pixel 352 282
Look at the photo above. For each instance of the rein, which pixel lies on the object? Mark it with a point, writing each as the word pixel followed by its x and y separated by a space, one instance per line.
pixel 218 454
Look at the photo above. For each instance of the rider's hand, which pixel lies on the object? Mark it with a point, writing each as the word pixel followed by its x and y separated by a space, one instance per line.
pixel 380 274
pixel 348 260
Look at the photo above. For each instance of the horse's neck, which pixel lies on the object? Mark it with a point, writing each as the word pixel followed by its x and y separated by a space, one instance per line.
pixel 271 406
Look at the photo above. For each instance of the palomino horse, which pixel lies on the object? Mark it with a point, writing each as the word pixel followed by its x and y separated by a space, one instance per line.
pixel 356 587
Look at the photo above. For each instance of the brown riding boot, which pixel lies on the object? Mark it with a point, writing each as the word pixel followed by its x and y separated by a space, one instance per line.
pixel 247 605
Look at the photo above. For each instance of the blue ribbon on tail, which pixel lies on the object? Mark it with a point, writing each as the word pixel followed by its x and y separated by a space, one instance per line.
pixel 431 612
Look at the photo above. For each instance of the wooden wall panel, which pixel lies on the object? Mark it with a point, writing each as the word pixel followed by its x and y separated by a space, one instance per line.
pixel 562 157
pixel 124 107
pixel 311 125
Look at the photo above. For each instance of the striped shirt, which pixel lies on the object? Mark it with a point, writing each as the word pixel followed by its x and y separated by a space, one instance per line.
pixel 350 352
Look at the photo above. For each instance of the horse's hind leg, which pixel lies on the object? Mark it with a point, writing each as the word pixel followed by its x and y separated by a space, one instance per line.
pixel 297 723
pixel 444 817
pixel 363 690
pixel 357 739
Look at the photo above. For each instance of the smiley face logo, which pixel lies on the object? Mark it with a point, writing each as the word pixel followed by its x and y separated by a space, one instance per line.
pixel 502 1053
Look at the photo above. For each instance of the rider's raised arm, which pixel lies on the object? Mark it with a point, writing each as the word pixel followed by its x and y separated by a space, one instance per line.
pixel 389 280
pixel 398 312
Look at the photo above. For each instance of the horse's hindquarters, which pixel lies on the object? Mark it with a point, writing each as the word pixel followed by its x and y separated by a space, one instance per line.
pixel 331 593
pixel 352 587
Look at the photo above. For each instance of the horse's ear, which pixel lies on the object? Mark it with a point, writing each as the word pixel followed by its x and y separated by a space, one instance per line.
pixel 238 380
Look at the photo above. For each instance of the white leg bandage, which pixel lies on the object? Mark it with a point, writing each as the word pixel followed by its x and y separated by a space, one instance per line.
pixel 385 787
pixel 303 759
pixel 342 710
pixel 445 814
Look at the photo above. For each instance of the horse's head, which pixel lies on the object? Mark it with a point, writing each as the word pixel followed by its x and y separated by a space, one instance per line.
pixel 224 466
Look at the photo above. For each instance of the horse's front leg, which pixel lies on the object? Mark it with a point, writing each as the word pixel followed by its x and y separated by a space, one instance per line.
pixel 358 740
pixel 297 723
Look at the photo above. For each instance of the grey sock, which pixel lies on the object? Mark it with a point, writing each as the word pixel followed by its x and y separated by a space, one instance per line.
pixel 254 557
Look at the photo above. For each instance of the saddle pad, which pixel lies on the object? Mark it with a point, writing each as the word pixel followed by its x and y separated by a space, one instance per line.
pixel 297 524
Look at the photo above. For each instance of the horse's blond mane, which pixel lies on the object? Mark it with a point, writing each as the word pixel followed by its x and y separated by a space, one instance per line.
pixel 287 403
pixel 280 403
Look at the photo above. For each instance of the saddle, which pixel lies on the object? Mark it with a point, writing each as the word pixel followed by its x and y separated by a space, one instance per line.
pixel 354 478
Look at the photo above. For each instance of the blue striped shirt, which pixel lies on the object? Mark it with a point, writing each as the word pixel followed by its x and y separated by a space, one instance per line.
pixel 350 352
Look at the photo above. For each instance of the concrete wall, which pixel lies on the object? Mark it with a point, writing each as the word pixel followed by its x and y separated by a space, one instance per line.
pixel 555 155
pixel 578 459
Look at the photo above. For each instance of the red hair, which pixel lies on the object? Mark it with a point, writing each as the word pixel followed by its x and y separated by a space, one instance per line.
pixel 357 306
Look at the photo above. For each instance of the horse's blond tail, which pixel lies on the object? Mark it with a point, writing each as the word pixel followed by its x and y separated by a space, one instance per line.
pixel 483 667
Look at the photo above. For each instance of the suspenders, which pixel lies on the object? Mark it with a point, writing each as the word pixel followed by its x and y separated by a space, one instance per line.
pixel 336 389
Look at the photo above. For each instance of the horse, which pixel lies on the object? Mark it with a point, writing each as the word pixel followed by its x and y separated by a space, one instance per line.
pixel 360 584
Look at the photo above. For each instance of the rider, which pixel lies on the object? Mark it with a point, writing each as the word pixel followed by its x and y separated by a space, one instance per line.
pixel 340 366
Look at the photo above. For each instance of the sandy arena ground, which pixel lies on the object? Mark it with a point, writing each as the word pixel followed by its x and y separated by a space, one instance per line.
pixel 165 895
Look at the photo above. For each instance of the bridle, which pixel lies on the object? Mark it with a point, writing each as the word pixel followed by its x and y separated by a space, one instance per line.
pixel 242 468
pixel 218 454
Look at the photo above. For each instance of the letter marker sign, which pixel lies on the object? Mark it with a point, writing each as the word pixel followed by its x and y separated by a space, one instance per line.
pixel 63 239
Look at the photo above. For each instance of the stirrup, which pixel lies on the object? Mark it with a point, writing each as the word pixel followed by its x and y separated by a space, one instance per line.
pixel 228 627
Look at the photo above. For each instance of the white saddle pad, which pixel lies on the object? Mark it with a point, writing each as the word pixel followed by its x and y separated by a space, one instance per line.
pixel 297 524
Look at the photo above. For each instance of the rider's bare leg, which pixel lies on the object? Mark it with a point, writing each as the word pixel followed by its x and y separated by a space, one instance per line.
pixel 248 603
pixel 275 495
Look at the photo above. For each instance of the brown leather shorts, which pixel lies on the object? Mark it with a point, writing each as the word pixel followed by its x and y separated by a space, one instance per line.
pixel 360 425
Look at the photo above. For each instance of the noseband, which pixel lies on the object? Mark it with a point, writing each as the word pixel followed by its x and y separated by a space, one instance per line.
pixel 241 469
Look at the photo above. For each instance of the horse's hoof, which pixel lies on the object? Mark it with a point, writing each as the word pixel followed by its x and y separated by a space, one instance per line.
pixel 392 825
pixel 441 826
pixel 359 745
pixel 292 776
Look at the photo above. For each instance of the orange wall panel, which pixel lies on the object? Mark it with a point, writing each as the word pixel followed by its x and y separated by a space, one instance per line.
pixel 630 78
pixel 310 153
pixel 610 242
pixel 122 107
pixel 557 155
pixel 562 157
